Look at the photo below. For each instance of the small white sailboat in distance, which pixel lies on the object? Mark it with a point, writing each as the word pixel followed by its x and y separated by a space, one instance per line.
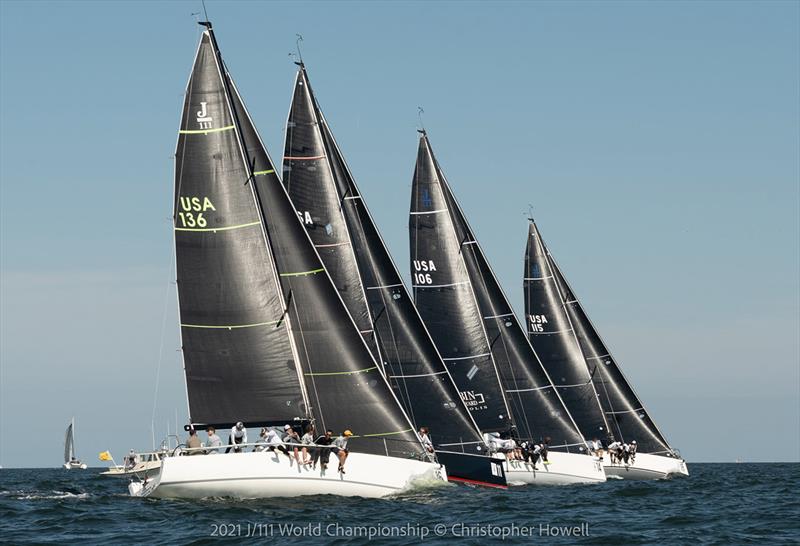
pixel 70 461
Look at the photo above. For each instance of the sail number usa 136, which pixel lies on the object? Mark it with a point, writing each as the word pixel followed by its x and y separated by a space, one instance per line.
pixel 191 211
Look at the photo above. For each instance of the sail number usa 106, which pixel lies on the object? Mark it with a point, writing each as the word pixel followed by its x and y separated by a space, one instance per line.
pixel 191 211
pixel 421 268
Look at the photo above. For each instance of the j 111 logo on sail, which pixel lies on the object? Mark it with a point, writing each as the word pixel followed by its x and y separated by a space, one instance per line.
pixel 203 119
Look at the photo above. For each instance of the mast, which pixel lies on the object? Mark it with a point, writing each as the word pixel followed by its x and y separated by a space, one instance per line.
pixel 552 335
pixel 410 360
pixel 623 408
pixel 445 297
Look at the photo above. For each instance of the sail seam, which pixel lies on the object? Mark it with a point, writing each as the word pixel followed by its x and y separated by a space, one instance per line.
pixel 626 411
pixel 365 370
pixel 230 326
pixel 467 357
pixel 427 212
pixel 379 287
pixel 601 357
pixel 225 228
pixel 303 273
pixel 537 278
pixel 417 375
pixel 304 158
pixel 333 244
pixel 548 333
pixel 530 390
pixel 205 131
pixel 439 285
pixel 499 316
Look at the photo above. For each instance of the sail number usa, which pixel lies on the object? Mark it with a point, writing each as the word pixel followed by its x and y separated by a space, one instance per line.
pixel 191 211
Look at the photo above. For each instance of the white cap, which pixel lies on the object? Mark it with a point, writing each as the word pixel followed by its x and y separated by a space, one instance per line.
pixel 633 441
pixel 287 427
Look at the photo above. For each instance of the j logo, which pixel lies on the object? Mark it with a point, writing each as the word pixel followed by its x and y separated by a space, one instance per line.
pixel 203 118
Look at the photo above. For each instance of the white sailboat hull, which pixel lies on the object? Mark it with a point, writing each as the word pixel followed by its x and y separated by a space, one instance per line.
pixel 148 469
pixel 77 465
pixel 564 469
pixel 267 474
pixel 646 467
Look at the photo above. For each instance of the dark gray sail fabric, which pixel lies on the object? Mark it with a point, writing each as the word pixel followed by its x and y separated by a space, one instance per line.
pixel 445 299
pixel 237 354
pixel 536 406
pixel 409 358
pixel 625 413
pixel 309 182
pixel 345 387
pixel 552 337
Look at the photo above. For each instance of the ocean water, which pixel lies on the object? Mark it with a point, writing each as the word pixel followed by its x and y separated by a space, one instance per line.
pixel 717 504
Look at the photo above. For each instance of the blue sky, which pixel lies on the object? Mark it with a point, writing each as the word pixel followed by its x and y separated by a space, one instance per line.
pixel 657 143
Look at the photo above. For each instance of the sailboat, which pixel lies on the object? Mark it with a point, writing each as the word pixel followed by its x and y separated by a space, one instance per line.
pixel 70 461
pixel 266 338
pixel 473 325
pixel 560 327
pixel 338 221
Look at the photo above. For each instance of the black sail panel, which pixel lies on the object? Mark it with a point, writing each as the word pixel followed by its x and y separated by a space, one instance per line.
pixel 536 406
pixel 237 355
pixel 343 383
pixel 625 413
pixel 445 301
pixel 410 360
pixel 552 337
pixel 309 181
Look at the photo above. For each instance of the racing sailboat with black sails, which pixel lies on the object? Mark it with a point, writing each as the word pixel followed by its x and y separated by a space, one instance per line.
pixel 560 327
pixel 475 329
pixel 347 239
pixel 266 338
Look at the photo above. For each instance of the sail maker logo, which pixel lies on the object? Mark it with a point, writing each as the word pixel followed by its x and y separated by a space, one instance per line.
pixel 203 119
pixel 473 400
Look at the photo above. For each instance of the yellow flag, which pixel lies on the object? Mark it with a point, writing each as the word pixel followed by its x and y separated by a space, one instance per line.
pixel 105 456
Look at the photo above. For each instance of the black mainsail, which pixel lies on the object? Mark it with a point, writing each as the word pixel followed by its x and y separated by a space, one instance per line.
pixel 536 406
pixel 323 371
pixel 237 352
pixel 308 178
pixel 553 337
pixel 326 195
pixel 625 413
pixel 445 299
